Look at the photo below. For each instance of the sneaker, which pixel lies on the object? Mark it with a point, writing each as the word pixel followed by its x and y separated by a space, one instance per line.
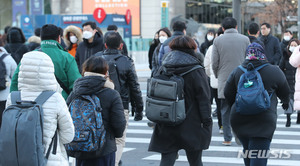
pixel 221 130
pixel 151 124
pixel 226 143
pixel 215 114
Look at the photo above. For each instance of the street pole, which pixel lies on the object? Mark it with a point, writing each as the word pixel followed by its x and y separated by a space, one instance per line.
pixel 236 7
pixel 298 19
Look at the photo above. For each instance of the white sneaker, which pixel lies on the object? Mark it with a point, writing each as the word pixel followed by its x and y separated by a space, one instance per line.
pixel 221 130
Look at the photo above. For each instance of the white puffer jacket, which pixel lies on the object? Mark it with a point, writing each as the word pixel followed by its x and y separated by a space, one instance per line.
pixel 208 68
pixel 37 75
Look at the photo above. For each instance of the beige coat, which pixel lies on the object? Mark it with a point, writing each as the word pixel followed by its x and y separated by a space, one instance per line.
pixel 228 53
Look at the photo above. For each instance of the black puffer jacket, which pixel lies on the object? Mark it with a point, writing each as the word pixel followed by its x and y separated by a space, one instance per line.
pixel 130 88
pixel 204 46
pixel 112 114
pixel 195 132
pixel 288 70
pixel 263 124
pixel 15 44
pixel 86 49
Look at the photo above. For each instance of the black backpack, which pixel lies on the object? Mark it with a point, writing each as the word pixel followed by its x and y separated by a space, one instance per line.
pixel 2 72
pixel 165 98
pixel 113 70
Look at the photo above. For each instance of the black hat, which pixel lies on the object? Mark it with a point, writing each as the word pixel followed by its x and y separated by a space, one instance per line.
pixel 50 32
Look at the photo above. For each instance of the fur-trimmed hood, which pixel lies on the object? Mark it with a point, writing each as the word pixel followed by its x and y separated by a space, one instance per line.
pixel 76 31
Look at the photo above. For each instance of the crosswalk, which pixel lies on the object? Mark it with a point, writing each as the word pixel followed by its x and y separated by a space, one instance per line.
pixel 284 140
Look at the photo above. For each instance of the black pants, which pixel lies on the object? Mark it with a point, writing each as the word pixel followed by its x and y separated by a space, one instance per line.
pixel 194 158
pixel 214 94
pixel 2 107
pixel 108 160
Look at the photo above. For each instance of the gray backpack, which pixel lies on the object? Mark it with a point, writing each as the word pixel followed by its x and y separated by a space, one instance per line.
pixel 21 134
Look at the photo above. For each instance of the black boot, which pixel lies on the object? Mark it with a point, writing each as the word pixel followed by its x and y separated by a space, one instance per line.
pixel 288 120
pixel 298 118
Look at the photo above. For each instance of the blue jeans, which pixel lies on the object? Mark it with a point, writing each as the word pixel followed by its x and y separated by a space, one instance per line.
pixel 255 143
pixel 225 111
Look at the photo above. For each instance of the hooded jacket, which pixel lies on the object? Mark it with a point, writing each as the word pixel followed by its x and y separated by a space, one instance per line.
pixel 263 124
pixel 112 113
pixel 15 44
pixel 196 130
pixel 64 64
pixel 86 49
pixel 72 47
pixel 37 75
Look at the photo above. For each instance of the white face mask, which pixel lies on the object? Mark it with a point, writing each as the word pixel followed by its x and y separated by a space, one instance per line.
pixel 162 39
pixel 210 37
pixel 292 48
pixel 287 38
pixel 73 39
pixel 87 34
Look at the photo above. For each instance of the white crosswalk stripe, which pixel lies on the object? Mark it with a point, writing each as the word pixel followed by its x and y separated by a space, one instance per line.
pixel 287 139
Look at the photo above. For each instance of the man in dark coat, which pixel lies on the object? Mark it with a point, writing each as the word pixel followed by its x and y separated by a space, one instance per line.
pixel 114 28
pixel 129 87
pixel 271 43
pixel 253 32
pixel 16 43
pixel 92 43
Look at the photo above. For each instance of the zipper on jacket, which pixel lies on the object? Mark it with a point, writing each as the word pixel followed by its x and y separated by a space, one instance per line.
pixel 16 137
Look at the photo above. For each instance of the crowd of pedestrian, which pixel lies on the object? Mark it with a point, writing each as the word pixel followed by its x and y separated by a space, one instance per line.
pixel 92 73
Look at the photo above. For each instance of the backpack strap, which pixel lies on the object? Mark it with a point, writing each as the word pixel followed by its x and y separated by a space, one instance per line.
pixel 3 56
pixel 54 140
pixel 192 69
pixel 43 97
pixel 242 68
pixel 260 67
pixel 15 96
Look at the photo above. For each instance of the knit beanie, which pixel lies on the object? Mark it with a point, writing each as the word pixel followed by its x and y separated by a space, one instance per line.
pixel 49 32
pixel 255 52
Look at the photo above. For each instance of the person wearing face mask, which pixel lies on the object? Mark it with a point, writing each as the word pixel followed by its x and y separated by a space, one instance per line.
pixel 163 35
pixel 72 38
pixel 289 72
pixel 287 37
pixel 209 39
pixel 153 45
pixel 92 43
pixel 271 43
pixel 65 66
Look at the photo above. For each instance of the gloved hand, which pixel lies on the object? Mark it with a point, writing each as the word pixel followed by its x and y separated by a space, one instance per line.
pixel 285 106
pixel 207 122
pixel 138 116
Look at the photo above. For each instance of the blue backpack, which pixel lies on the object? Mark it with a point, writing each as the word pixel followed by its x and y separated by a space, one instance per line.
pixel 21 134
pixel 86 113
pixel 251 97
